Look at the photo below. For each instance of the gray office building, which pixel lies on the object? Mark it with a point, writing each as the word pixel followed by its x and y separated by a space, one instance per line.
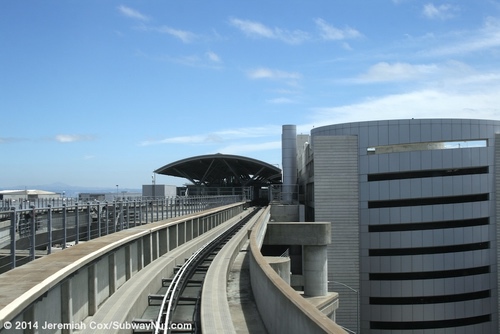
pixel 414 212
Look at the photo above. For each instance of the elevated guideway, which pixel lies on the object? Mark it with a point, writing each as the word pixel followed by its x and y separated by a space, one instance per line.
pixel 103 285
pixel 64 289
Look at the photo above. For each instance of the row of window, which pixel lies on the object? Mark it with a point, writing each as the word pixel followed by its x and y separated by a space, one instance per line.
pixel 395 325
pixel 418 174
pixel 429 225
pixel 421 275
pixel 426 146
pixel 430 299
pixel 429 250
pixel 428 201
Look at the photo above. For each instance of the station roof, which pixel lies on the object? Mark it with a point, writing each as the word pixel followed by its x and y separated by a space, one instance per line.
pixel 223 170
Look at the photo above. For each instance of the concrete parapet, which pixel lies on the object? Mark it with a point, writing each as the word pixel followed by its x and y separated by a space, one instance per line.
pixel 281 266
pixel 282 309
pixel 285 213
pixel 295 233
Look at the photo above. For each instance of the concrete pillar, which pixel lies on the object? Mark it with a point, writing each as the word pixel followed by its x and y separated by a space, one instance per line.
pixel 315 271
pixel 289 161
pixel 93 293
pixel 112 273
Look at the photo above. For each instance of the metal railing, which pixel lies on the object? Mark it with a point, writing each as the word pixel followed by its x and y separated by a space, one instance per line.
pixel 29 233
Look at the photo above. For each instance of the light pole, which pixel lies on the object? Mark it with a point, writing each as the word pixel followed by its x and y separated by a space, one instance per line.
pixel 357 303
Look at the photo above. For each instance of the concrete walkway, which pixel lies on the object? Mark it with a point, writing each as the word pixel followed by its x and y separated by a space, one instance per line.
pixel 246 317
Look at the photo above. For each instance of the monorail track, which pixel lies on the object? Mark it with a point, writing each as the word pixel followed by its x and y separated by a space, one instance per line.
pixel 176 306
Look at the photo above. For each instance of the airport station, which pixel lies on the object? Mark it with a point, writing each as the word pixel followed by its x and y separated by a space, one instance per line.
pixel 368 227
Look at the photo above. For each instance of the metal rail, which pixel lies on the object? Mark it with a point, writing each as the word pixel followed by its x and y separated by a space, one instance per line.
pixel 28 233
pixel 186 271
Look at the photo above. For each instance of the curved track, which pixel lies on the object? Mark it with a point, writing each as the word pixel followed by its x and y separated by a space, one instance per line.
pixel 177 304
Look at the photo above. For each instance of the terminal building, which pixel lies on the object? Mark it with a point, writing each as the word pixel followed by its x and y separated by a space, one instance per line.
pixel 414 214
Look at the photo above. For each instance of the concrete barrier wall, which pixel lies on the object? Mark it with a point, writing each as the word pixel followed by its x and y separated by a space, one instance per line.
pixel 281 308
pixel 68 286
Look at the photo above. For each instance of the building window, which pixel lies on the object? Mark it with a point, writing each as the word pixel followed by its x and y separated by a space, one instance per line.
pixel 417 174
pixel 428 201
pixel 425 146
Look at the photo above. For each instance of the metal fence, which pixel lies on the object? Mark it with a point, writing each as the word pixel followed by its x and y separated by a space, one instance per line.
pixel 29 233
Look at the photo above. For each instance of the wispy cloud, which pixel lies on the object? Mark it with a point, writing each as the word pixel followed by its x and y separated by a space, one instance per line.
pixel 212 56
pixel 485 38
pixel 470 95
pixel 9 140
pixel 184 35
pixel 257 29
pixel 245 147
pixel 281 100
pixel 217 136
pixel 66 138
pixel 442 12
pixel 331 33
pixel 271 74
pixel 386 72
pixel 132 13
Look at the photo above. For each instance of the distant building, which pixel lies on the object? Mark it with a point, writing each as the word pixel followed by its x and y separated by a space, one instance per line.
pixel 28 195
pixel 108 197
pixel 415 221
pixel 159 190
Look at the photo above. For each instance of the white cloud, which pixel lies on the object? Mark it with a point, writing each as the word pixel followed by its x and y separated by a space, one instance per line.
pixel 65 138
pixel 242 148
pixel 442 12
pixel 266 73
pixel 281 100
pixel 132 13
pixel 329 32
pixel 486 38
pixel 257 29
pixel 217 136
pixel 183 35
pixel 385 72
pixel 212 56
pixel 425 103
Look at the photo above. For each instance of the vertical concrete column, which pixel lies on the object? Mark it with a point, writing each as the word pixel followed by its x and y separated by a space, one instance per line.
pixel 66 303
pixel 315 271
pixel 154 246
pixel 112 273
pixel 146 246
pixel 140 257
pixel 128 263
pixel 163 234
pixel 92 280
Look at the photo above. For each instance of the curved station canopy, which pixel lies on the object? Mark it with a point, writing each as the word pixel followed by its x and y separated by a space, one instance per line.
pixel 221 170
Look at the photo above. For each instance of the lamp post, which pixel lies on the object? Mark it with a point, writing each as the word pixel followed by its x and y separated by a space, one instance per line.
pixel 357 303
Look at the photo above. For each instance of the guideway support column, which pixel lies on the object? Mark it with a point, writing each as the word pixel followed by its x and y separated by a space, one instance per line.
pixel 314 238
pixel 315 271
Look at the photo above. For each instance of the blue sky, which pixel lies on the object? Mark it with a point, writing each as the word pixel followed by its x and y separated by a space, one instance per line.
pixel 99 93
